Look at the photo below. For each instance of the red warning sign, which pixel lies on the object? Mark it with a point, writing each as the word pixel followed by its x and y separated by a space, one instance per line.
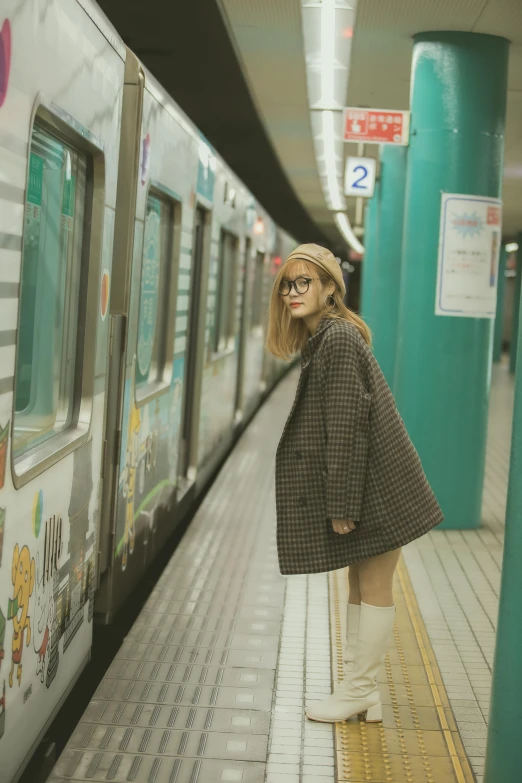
pixel 376 126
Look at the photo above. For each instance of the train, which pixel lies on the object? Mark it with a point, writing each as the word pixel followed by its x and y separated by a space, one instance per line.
pixel 135 275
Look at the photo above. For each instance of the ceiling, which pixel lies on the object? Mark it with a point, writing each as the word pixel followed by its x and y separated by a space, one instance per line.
pixel 268 39
pixel 237 67
pixel 383 45
pixel 267 35
pixel 188 49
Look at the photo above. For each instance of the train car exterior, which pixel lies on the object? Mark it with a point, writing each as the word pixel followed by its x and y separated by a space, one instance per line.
pixel 192 264
pixel 62 86
pixel 135 270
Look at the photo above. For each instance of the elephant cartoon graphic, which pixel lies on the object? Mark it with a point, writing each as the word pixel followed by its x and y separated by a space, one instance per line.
pixel 18 607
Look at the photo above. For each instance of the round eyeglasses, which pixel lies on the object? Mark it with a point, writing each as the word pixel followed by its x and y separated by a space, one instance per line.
pixel 301 285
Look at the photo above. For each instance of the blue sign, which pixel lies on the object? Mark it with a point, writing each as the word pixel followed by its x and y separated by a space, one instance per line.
pixel 359 179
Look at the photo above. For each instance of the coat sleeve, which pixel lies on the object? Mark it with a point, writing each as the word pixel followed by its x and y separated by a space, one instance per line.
pixel 346 409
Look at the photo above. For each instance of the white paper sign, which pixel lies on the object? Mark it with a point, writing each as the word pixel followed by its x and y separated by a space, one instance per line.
pixel 469 246
pixel 359 177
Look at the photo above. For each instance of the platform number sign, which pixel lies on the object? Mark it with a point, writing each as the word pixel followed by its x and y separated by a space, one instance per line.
pixel 359 179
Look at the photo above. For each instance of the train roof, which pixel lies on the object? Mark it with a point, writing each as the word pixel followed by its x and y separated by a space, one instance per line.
pixel 93 10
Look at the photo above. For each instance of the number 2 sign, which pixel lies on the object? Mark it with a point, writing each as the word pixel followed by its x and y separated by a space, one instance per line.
pixel 359 178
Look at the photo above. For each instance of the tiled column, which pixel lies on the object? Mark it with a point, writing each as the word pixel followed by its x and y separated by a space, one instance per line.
pixel 516 309
pixel 499 319
pixel 371 230
pixel 387 264
pixel 504 750
pixel 443 364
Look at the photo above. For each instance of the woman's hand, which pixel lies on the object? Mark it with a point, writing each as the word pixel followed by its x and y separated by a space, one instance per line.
pixel 343 526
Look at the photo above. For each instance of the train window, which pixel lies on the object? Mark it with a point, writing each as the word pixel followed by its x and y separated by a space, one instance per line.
pixel 226 278
pixel 157 275
pixel 48 333
pixel 256 312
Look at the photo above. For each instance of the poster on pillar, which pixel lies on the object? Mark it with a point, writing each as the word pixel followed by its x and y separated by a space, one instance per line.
pixel 469 247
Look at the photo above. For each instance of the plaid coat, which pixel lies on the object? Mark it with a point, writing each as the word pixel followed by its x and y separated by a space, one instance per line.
pixel 345 454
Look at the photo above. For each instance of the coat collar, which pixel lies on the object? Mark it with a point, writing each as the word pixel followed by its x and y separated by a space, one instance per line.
pixel 313 341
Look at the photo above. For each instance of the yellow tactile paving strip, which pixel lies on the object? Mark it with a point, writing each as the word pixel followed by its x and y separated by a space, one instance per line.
pixel 418 740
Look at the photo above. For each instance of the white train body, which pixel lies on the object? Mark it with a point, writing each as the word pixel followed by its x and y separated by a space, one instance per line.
pixel 135 270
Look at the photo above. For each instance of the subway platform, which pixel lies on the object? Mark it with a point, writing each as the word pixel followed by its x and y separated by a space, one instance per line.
pixel 211 682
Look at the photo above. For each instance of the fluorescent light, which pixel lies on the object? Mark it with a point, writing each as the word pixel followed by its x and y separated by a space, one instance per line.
pixel 343 224
pixel 512 247
pixel 334 194
pixel 327 52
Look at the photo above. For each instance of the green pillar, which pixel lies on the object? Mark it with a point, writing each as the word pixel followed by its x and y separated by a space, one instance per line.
pixel 459 84
pixel 499 318
pixel 516 309
pixel 387 265
pixel 371 228
pixel 504 748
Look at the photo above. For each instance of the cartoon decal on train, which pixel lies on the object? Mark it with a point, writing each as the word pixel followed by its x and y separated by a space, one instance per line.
pixel 150 445
pixel 49 589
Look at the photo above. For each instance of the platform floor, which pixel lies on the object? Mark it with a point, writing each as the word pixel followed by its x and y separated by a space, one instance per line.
pixel 211 682
pixel 456 579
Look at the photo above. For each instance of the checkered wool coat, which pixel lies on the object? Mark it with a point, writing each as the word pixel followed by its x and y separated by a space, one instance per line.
pixel 345 454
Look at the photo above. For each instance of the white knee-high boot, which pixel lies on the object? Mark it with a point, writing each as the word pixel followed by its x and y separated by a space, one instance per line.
pixel 359 692
pixel 352 629
pixel 353 612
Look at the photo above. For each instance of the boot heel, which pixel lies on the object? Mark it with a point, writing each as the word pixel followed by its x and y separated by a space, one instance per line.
pixel 374 714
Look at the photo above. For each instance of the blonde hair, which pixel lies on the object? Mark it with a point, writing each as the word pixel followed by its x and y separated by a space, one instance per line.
pixel 286 335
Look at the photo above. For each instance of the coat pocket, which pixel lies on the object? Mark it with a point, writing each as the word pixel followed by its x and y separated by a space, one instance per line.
pixel 361 470
pixel 361 445
pixel 371 517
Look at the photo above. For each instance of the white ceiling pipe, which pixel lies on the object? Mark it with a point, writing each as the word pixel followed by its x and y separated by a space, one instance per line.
pixel 343 224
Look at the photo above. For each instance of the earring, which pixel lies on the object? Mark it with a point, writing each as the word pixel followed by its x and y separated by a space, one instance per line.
pixel 332 304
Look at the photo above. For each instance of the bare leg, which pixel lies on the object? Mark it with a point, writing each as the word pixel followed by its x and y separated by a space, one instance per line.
pixel 354 596
pixel 376 578
pixel 371 585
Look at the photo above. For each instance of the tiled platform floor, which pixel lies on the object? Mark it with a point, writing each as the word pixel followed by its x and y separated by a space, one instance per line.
pixel 456 578
pixel 211 682
pixel 418 740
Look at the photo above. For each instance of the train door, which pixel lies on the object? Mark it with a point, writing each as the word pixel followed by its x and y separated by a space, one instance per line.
pixel 128 171
pixel 260 294
pixel 243 331
pixel 264 282
pixel 195 342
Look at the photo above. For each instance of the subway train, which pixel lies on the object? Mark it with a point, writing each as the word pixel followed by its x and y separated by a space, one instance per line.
pixel 135 273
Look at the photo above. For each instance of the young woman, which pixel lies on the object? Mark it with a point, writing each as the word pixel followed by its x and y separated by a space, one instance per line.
pixel 350 489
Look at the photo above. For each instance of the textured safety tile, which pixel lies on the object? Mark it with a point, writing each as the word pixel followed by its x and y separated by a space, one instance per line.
pixel 192 718
pixel 418 740
pixel 171 742
pixel 456 575
pixel 76 766
pixel 192 674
